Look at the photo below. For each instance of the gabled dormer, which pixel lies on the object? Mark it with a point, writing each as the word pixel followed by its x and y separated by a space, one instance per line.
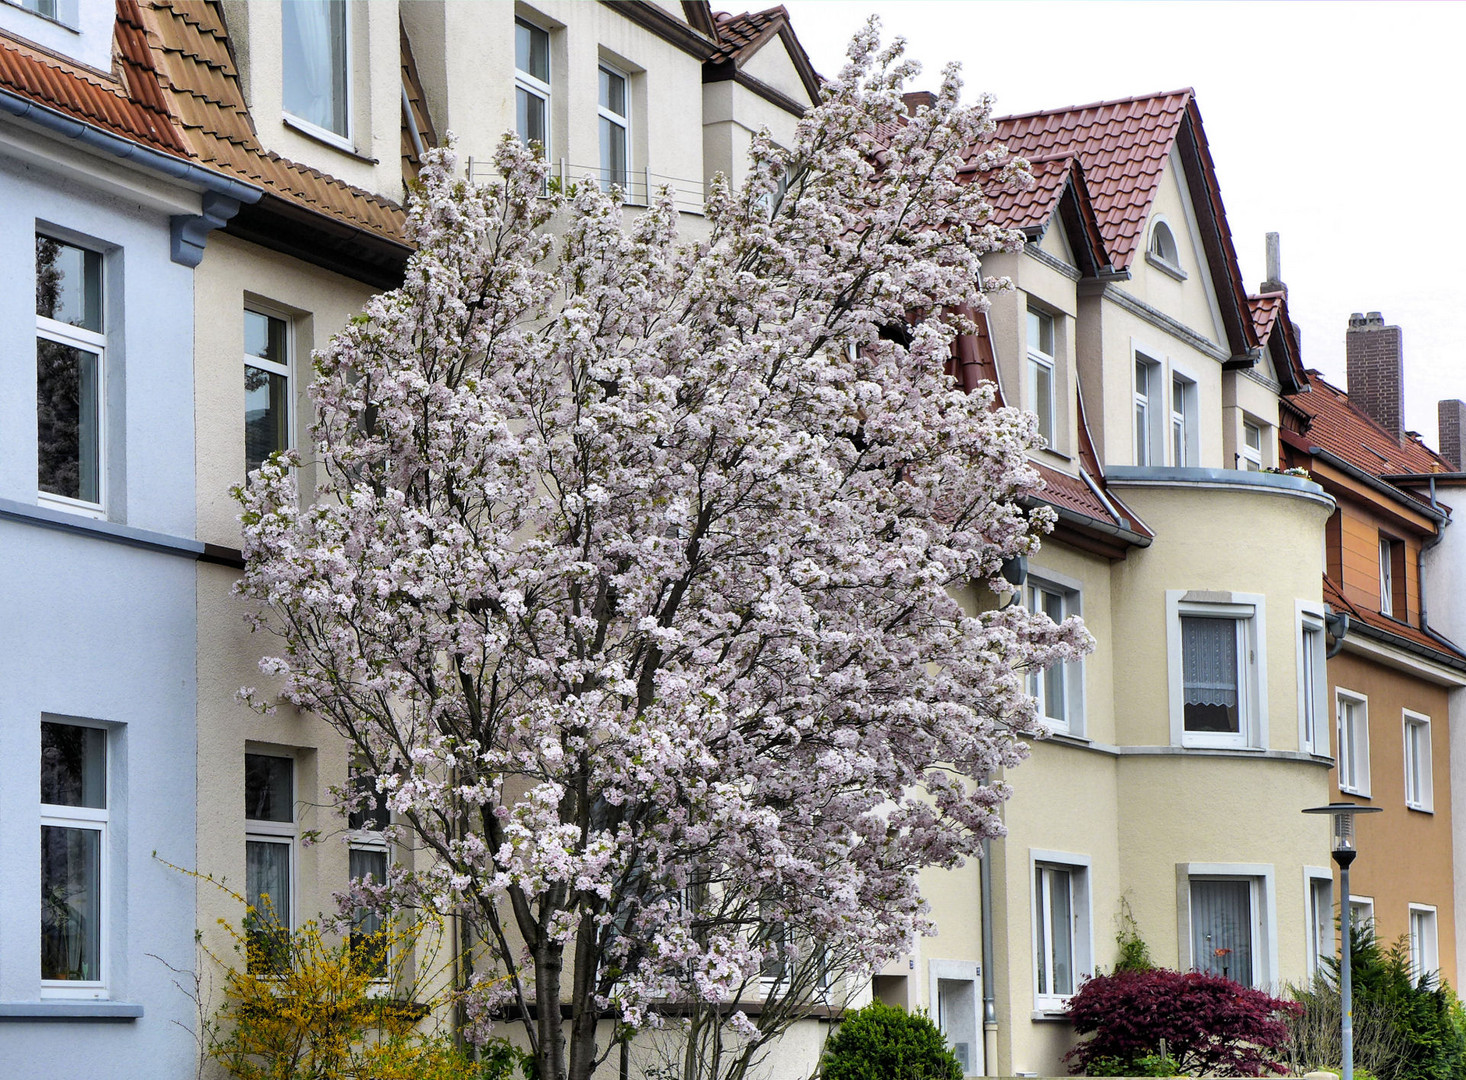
pixel 76 30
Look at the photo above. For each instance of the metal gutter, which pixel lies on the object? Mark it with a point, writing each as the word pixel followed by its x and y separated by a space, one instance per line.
pixel 1369 480
pixel 1084 521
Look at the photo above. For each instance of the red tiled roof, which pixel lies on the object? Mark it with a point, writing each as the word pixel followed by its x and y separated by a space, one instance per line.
pixel 1335 425
pixel 130 107
pixel 1030 208
pixel 1123 146
pixel 1335 598
pixel 740 36
pixel 1265 308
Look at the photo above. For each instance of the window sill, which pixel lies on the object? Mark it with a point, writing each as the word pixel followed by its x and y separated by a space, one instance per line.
pixel 1420 809
pixel 70 1011
pixel 1354 791
pixel 326 138
pixel 45 18
pixel 1049 1016
pixel 1165 267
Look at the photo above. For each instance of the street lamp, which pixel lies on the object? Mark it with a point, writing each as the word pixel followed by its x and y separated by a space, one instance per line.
pixel 1345 849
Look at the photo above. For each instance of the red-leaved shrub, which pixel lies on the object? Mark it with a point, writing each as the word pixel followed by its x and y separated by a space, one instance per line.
pixel 1211 1026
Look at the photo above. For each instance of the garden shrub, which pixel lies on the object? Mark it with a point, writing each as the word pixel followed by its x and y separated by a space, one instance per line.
pixel 1206 1024
pixel 881 1042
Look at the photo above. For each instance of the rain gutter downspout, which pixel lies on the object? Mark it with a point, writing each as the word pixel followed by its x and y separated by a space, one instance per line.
pixel 989 993
pixel 222 195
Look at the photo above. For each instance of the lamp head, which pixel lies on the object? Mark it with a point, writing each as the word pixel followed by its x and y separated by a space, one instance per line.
pixel 1344 842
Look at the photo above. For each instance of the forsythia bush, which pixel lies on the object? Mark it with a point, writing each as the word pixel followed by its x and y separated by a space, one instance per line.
pixel 881 1042
pixel 1209 1025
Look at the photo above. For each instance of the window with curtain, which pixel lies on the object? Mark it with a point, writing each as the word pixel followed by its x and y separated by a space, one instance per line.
pixel 73 853
pixel 1222 927
pixel 315 73
pixel 1211 673
pixel 368 863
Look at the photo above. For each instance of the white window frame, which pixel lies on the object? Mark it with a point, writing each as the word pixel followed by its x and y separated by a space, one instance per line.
pixel 1319 917
pixel 537 87
pixel 340 140
pixel 280 832
pixel 1070 595
pixel 1247 610
pixel 1352 762
pixel 92 819
pixel 615 119
pixel 373 840
pixel 286 370
pixel 1250 458
pixel 1038 361
pixel 93 342
pixel 1425 956
pixel 1081 913
pixel 1183 443
pixel 1419 775
pixel 1148 405
pixel 1264 913
pixel 1363 907
pixel 1313 734
pixel 1387 576
pixel 1156 248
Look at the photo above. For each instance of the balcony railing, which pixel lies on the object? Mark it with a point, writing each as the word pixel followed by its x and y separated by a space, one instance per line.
pixel 638 186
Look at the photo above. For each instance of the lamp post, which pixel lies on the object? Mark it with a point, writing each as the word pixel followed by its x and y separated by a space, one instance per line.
pixel 1345 850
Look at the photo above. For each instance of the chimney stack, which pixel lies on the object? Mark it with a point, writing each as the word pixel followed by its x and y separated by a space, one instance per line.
pixel 1451 416
pixel 916 99
pixel 1274 282
pixel 1376 360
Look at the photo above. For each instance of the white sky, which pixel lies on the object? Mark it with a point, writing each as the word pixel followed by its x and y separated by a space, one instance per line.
pixel 1338 125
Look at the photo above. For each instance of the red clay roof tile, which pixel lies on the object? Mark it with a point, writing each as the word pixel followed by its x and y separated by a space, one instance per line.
pixel 1335 425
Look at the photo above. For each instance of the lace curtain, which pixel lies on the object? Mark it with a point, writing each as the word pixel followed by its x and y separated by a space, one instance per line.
pixel 1209 661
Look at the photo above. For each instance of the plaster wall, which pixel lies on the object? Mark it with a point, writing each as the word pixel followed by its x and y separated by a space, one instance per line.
pixel 102 633
pixel 732 115
pixel 1384 870
pixel 82 30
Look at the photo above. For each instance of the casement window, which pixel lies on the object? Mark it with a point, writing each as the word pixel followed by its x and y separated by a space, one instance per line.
pixel 74 865
pixel 1061 927
pixel 532 84
pixel 1041 371
pixel 1361 913
pixel 1218 687
pixel 1320 915
pixel 1424 952
pixel 1227 929
pixel 368 857
pixel 269 851
pixel 1184 453
pixel 1391 577
pixel 1313 735
pixel 1250 455
pixel 1163 244
pixel 1419 786
pixel 71 365
pixel 316 66
pixel 615 123
pixel 266 387
pixel 1352 740
pixel 1058 690
pixel 1148 407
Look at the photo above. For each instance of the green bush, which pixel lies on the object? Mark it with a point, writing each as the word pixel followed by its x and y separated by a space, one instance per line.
pixel 1145 1065
pixel 881 1042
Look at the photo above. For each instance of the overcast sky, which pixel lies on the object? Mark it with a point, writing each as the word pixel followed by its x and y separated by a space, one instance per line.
pixel 1340 126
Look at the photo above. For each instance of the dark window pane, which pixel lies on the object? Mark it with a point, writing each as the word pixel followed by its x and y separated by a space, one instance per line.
pixel 371 813
pixel 264 336
pixel 68 284
pixel 530 116
pixel 531 50
pixel 267 891
pixel 266 413
pixel 369 945
pixel 67 421
pixel 71 903
pixel 73 765
pixel 1221 929
pixel 613 154
pixel 268 794
pixel 613 92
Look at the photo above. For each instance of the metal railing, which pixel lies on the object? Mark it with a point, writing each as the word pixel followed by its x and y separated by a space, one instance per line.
pixel 638 186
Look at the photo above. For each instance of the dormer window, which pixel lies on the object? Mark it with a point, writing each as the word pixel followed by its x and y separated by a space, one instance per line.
pixel 316 72
pixel 1041 370
pixel 41 7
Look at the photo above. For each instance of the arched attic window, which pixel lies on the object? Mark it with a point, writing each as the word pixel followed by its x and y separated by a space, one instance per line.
pixel 1161 251
pixel 1163 244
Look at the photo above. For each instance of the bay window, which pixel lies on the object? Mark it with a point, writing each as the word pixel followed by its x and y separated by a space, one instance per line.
pixel 1312 688
pixel 1217 678
pixel 1225 928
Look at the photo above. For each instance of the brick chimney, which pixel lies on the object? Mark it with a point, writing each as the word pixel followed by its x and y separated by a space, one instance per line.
pixel 1376 370
pixel 1451 416
pixel 916 99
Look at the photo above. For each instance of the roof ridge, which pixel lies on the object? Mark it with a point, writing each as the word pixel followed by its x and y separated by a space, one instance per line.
pixel 1187 91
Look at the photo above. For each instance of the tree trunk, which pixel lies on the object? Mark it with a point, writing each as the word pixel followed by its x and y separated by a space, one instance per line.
pixel 549 961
